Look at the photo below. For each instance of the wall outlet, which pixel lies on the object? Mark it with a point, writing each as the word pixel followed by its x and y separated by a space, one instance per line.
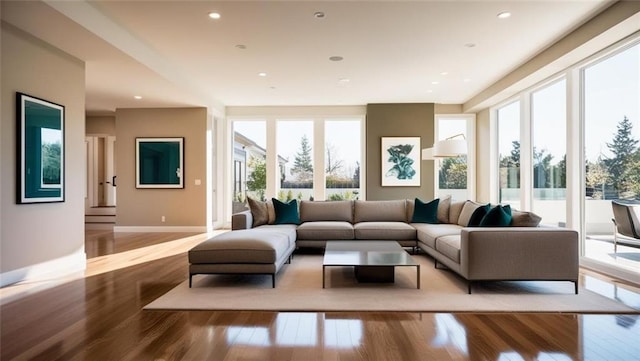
pixel 162 219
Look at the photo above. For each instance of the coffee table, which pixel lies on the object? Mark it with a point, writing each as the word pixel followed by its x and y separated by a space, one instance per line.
pixel 372 261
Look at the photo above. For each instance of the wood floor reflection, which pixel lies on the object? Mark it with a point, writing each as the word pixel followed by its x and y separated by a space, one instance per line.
pixel 100 317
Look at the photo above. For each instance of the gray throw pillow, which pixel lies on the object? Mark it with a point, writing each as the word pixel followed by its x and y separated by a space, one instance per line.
pixel 259 211
pixel 524 219
pixel 467 211
pixel 443 209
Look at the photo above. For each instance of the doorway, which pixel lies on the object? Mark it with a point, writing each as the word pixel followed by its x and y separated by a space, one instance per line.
pixel 100 192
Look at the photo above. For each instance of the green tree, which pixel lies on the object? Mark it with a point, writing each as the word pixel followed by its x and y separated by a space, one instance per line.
pixel 302 165
pixel 597 177
pixel 623 148
pixel 257 180
pixel 542 172
pixel 453 173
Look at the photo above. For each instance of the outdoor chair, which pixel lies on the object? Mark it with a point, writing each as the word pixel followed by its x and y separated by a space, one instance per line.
pixel 626 222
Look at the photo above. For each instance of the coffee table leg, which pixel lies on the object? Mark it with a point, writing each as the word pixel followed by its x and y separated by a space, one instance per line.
pixel 418 275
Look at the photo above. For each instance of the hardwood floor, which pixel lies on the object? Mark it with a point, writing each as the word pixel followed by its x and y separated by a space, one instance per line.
pixel 99 316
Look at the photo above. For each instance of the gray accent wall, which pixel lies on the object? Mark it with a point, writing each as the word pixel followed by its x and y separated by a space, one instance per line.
pixel 398 120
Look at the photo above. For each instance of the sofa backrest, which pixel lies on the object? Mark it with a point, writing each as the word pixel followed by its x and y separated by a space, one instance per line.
pixel 326 211
pixel 380 211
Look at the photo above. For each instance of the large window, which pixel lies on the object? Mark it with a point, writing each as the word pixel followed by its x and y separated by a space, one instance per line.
pixel 509 153
pixel 612 134
pixel 301 158
pixel 342 159
pixel 549 166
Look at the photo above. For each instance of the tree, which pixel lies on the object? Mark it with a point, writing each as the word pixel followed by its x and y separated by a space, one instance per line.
pixel 302 165
pixel 453 173
pixel 257 179
pixel 333 164
pixel 623 147
pixel 542 173
pixel 597 177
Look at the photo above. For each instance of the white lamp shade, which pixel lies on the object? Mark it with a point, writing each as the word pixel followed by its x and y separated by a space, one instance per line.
pixel 449 148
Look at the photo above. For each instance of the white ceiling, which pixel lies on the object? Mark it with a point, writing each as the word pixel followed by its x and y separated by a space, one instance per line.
pixel 172 54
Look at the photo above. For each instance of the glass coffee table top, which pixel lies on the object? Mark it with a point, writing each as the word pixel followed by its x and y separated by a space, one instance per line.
pixel 372 260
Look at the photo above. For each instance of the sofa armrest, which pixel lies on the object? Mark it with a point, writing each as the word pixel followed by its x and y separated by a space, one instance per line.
pixel 241 220
pixel 519 253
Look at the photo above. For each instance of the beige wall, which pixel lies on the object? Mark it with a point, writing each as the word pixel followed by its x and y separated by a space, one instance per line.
pixel 145 207
pixel 398 120
pixel 483 156
pixel 33 234
pixel 101 125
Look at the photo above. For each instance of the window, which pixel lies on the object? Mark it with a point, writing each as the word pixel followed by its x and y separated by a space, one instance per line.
pixel 509 153
pixel 342 158
pixel 549 166
pixel 452 172
pixel 612 135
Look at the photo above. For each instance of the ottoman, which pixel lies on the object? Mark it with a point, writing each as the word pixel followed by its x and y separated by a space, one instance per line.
pixel 251 251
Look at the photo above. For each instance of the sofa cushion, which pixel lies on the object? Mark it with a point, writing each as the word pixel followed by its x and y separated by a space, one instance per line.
pixel 454 211
pixel 428 233
pixel 425 212
pixel 449 246
pixel 326 211
pixel 478 215
pixel 524 219
pixel 325 230
pixel 384 230
pixel 242 246
pixel 379 211
pixel 288 229
pixel 467 211
pixel 498 216
pixel 443 209
pixel 286 213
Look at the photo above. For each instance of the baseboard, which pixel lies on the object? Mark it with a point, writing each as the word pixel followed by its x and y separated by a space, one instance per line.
pixel 202 229
pixel 63 266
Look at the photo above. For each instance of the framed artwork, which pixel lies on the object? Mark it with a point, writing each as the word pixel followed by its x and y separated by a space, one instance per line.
pixel 40 150
pixel 401 161
pixel 159 162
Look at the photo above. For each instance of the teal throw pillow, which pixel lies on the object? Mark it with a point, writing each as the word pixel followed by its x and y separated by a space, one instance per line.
pixel 478 215
pixel 498 216
pixel 425 212
pixel 286 213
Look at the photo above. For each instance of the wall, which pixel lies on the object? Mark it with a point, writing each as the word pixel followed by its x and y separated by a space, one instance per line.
pixel 101 125
pixel 398 120
pixel 41 239
pixel 142 209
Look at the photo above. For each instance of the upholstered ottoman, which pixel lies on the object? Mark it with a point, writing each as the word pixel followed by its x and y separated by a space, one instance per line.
pixel 253 251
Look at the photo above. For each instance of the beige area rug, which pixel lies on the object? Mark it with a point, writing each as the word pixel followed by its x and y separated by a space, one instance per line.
pixel 299 288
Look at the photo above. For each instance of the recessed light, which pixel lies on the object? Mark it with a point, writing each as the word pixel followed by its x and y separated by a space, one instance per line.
pixel 214 15
pixel 344 80
pixel 444 73
pixel 466 80
pixel 469 45
pixel 318 15
pixel 138 97
pixel 262 74
pixel 429 91
pixel 336 58
pixel 435 82
pixel 241 46
pixel 504 15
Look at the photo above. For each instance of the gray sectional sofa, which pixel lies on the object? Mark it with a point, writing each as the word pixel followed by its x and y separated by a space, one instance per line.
pixel 521 251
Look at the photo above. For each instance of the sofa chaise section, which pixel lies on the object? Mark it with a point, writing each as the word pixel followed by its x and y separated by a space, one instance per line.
pixel 261 250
